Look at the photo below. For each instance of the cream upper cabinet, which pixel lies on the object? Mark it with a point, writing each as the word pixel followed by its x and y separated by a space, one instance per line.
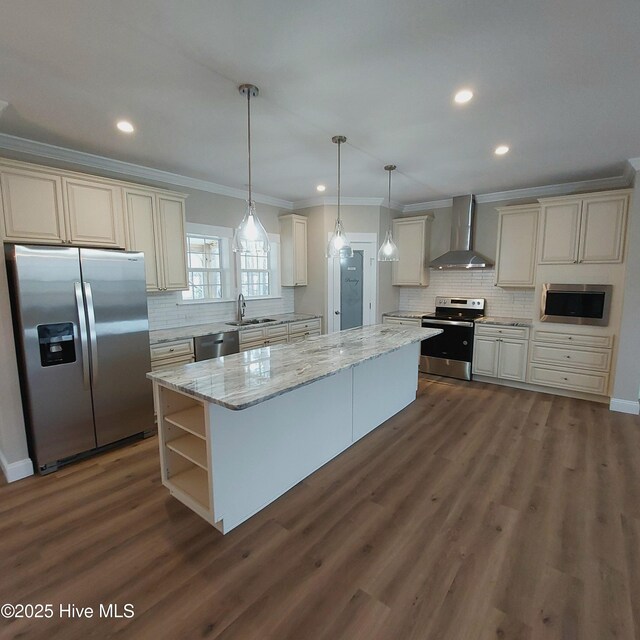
pixel 94 213
pixel 293 250
pixel 32 206
pixel 602 229
pixel 517 244
pixel 584 229
pixel 173 245
pixel 412 236
pixel 142 223
pixel 156 226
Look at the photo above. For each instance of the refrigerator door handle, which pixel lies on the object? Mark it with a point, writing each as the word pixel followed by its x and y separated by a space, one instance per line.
pixel 84 342
pixel 93 337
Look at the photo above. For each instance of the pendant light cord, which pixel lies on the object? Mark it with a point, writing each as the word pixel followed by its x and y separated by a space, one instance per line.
pixel 249 139
pixel 389 200
pixel 339 143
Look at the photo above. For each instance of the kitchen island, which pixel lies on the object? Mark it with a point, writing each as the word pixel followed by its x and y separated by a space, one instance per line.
pixel 237 432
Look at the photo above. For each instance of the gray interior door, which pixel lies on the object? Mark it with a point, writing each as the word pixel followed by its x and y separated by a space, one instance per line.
pixel 115 290
pixel 351 291
pixel 54 365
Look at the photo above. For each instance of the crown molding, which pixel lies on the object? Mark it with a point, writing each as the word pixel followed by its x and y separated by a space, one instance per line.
pixel 427 206
pixel 131 170
pixel 333 201
pixel 128 169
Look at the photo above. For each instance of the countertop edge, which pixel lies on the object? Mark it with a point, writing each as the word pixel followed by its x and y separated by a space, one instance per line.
pixel 155 377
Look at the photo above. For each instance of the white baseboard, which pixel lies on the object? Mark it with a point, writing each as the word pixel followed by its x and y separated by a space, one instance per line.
pixel 625 406
pixel 16 470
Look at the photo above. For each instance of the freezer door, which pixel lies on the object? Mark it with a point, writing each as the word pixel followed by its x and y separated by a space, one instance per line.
pixel 53 360
pixel 115 292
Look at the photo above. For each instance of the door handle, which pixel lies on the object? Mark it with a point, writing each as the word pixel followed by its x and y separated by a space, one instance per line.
pixel 337 313
pixel 82 325
pixel 93 339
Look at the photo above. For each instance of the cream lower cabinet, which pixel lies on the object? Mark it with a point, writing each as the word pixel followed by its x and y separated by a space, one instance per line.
pixel 588 229
pixel 41 206
pixel 156 226
pixel 257 337
pixel 571 361
pixel 413 237
pixel 501 352
pixel 517 245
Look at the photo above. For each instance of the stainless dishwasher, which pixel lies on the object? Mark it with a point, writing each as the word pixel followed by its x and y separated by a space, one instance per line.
pixel 215 345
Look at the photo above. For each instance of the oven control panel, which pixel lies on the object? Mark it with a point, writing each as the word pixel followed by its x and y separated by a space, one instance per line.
pixel 460 303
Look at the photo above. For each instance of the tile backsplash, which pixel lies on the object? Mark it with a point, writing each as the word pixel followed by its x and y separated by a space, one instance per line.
pixel 166 313
pixel 517 303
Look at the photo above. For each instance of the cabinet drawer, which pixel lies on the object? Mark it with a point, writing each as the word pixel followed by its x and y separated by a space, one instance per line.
pixel 299 337
pixel 170 363
pixel 279 331
pixel 269 342
pixel 594 359
pixel 304 325
pixel 171 349
pixel 596 383
pixel 248 346
pixel 251 335
pixel 576 339
pixel 414 322
pixel 498 331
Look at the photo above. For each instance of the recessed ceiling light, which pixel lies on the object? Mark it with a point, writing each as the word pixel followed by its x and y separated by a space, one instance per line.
pixel 464 95
pixel 125 126
pixel 501 150
pixel 320 187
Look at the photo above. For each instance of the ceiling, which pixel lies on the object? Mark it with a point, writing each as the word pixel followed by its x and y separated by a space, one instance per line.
pixel 556 81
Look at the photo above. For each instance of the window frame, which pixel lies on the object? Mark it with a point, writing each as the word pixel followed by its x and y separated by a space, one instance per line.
pixel 230 265
pixel 224 237
pixel 273 258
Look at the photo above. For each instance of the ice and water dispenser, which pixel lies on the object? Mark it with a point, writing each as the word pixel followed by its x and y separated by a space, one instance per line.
pixel 56 343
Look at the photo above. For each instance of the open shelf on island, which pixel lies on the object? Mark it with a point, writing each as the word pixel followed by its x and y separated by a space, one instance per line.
pixel 195 483
pixel 192 448
pixel 190 419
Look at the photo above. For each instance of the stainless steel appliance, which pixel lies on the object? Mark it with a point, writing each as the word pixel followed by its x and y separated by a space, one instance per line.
pixel 461 254
pixel 451 352
pixel 82 339
pixel 576 303
pixel 216 345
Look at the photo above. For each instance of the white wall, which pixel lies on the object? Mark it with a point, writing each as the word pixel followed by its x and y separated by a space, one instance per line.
pixel 14 457
pixel 626 389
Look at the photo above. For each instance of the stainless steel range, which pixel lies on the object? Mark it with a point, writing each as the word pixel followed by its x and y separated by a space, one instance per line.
pixel 450 353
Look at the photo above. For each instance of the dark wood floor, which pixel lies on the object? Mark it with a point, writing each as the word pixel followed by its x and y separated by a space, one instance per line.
pixel 479 512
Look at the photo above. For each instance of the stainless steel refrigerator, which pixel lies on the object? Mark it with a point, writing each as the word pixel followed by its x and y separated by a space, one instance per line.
pixel 82 339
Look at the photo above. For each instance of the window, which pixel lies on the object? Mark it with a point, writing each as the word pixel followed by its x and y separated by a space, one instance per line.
pixel 204 267
pixel 255 277
pixel 216 274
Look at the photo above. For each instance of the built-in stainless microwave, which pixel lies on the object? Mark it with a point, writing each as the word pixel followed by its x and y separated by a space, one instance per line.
pixel 576 303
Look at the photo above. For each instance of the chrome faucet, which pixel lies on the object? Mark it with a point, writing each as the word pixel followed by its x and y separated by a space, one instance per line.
pixel 241 308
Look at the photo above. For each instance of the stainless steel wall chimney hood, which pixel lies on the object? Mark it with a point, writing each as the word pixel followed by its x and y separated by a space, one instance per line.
pixel 460 254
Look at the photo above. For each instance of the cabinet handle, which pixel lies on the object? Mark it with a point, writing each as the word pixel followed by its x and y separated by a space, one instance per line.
pixel 574 262
pixel 565 379
pixel 172 349
pixel 570 338
pixel 568 357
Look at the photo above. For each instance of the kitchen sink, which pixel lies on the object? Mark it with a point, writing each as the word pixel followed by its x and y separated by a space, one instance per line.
pixel 245 323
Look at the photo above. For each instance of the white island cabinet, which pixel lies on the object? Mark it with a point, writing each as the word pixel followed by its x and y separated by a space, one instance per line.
pixel 239 431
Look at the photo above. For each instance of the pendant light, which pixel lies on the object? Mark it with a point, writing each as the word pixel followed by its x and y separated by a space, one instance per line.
pixel 339 246
pixel 250 234
pixel 388 251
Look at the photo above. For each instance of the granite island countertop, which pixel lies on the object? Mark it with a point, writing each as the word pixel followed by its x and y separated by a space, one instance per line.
pixel 406 314
pixel 505 322
pixel 245 379
pixel 158 336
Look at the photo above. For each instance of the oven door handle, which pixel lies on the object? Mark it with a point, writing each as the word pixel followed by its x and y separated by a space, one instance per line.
pixel 455 323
